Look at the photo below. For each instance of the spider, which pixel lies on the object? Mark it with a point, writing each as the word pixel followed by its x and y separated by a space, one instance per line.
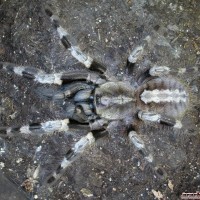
pixel 98 100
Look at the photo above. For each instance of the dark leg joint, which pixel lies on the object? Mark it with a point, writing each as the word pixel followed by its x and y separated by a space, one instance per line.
pixel 48 12
pixel 65 42
pixel 95 66
pixel 129 67
pixel 51 180
pixel 167 121
pixel 28 75
pixel 34 126
pixel 99 134
pixel 143 77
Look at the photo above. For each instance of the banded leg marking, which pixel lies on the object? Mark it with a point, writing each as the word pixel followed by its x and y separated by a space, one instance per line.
pixel 57 78
pixel 37 128
pixel 47 127
pixel 33 73
pixel 162 119
pixel 76 52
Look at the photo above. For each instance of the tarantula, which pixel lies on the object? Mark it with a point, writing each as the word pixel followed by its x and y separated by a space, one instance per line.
pixel 155 97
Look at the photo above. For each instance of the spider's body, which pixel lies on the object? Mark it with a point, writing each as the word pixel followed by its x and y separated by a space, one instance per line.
pixel 154 97
pixel 119 100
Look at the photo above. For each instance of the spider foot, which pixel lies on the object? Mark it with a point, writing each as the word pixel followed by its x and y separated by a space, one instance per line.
pixel 135 55
pixel 139 144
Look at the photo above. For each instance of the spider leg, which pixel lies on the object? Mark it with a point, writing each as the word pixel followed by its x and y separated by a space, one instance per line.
pixel 55 78
pixel 156 71
pixel 71 89
pixel 139 144
pixel 75 152
pixel 76 52
pixel 32 73
pixel 150 164
pixel 72 155
pixel 39 129
pixel 98 124
pixel 135 55
pixel 159 118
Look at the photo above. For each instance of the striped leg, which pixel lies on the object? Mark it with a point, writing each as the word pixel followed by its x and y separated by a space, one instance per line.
pixel 162 119
pixel 89 62
pixel 39 129
pixel 55 78
pixel 32 73
pixel 33 181
pixel 76 151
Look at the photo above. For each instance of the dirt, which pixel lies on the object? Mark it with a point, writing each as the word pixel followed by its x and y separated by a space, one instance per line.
pixel 108 31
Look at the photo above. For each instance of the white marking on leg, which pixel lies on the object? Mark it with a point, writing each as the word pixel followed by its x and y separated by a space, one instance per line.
pixel 80 56
pixel 136 140
pixel 57 125
pixel 158 96
pixel 75 51
pixel 49 78
pixel 135 54
pixel 78 148
pixel 62 32
pixel 65 163
pixel 149 116
pixel 57 79
pixel 139 144
pixel 178 124
pixel 9 131
pixel 19 70
pixel 83 143
pixel 159 71
pixel 39 148
pixel 25 130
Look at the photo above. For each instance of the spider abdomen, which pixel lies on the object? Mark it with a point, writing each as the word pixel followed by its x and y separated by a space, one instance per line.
pixel 163 95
